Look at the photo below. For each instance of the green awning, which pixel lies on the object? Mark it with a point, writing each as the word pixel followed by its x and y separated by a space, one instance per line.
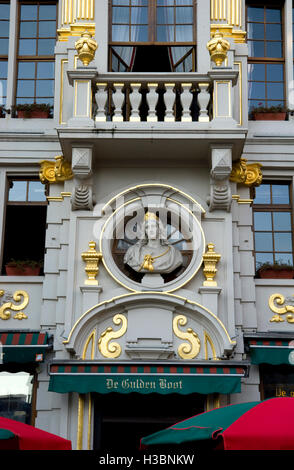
pixel 273 352
pixel 5 434
pixel 162 379
pixel 23 347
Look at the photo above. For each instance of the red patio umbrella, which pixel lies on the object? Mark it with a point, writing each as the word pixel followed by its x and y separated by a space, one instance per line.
pixel 260 425
pixel 17 435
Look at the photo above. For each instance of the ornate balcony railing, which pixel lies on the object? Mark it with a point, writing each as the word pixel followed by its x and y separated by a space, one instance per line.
pixel 153 97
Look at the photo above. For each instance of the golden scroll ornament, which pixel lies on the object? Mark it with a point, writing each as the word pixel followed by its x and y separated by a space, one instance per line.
pixel 7 307
pixel 286 309
pixel 191 349
pixel 112 350
pixel 55 172
pixel 247 174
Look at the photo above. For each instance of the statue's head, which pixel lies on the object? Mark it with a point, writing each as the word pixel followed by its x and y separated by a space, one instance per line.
pixel 152 228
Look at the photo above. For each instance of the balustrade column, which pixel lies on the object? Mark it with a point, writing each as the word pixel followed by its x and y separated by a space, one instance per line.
pixel 169 99
pixel 101 101
pixel 152 98
pixel 203 101
pixel 118 99
pixel 135 100
pixel 186 99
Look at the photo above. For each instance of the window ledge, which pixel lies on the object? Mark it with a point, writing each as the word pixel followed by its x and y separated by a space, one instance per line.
pixel 274 282
pixel 21 279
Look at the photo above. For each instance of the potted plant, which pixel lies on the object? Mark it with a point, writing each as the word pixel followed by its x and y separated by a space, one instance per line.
pixel 33 110
pixel 271 113
pixel 23 267
pixel 2 112
pixel 276 270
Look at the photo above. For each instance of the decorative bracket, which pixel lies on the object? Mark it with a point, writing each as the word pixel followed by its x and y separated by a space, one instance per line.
pixel 82 197
pixel 55 172
pixel 286 309
pixel 112 350
pixel 5 308
pixel 247 174
pixel 192 349
pixel 210 260
pixel 92 258
pixel 220 191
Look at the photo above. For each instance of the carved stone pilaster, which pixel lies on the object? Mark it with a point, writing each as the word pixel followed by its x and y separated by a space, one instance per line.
pixel 82 195
pixel 220 191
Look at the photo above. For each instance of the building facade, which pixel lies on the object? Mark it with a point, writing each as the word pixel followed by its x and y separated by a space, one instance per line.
pixel 153 201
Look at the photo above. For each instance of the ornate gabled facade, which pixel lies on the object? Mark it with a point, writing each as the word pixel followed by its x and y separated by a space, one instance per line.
pixel 155 201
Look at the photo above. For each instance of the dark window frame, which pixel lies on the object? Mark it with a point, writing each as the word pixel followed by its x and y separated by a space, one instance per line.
pixel 268 60
pixel 274 208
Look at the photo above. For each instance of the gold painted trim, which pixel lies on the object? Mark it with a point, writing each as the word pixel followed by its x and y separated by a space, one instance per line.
pixel 91 337
pixel 75 30
pixel 89 421
pixel 126 286
pixel 58 198
pixel 147 185
pixel 191 349
pixel 80 430
pixel 164 294
pixel 215 93
pixel 63 62
pixel 238 199
pixel 240 82
pixel 89 101
pixel 207 339
pixel 228 31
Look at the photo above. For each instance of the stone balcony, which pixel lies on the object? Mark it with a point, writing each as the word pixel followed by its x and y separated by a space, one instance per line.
pixel 115 112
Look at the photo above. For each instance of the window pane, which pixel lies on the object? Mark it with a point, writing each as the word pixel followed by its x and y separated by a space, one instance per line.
pixel 165 16
pixel 45 69
pixel 280 194
pixel 184 2
pixel 273 15
pixel 184 33
pixel 139 2
pixel 44 88
pixel 262 258
pixel 47 29
pixel 120 15
pixel 16 396
pixel 255 14
pixel 4 46
pixel 49 101
pixel 184 15
pixel 36 191
pixel 18 192
pixel 120 33
pixel 262 221
pixel 262 194
pixel 275 72
pixel 283 241
pixel 165 2
pixel 47 12
pixel 139 16
pixel 4 11
pixel 4 29
pixel 255 31
pixel 275 91
pixel 24 100
pixel 256 72
pixel 120 2
pixel 274 49
pixel 263 241
pixel 274 31
pixel 25 88
pixel 139 33
pixel 28 29
pixel 26 70
pixel 165 33
pixel 46 46
pixel 256 90
pixel 27 47
pixel 28 12
pixel 282 221
pixel 3 69
pixel 256 48
pixel 285 258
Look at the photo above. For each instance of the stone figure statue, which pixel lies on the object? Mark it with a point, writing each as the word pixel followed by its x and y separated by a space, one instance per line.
pixel 152 253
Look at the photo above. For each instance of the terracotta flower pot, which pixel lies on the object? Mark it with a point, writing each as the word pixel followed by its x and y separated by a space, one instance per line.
pixel 26 271
pixel 276 274
pixel 269 116
pixel 32 114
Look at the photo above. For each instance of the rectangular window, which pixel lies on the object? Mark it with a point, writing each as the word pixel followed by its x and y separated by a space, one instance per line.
pixel 4 43
pixel 17 395
pixel 35 65
pixel 26 208
pixel 162 34
pixel 266 60
pixel 272 221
